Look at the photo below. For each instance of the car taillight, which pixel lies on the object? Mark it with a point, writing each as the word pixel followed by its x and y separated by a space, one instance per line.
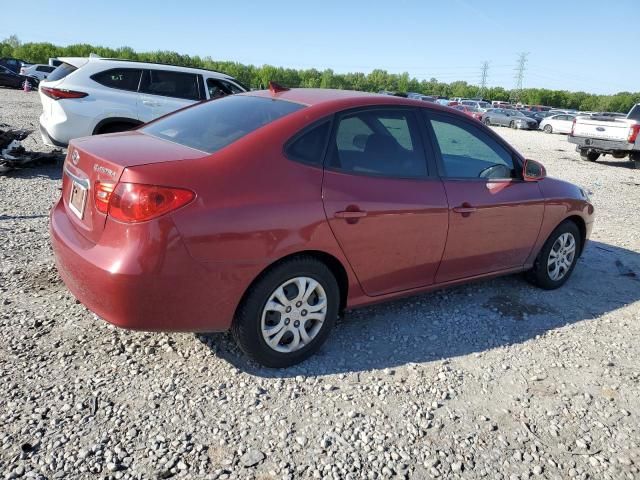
pixel 135 202
pixel 633 133
pixel 573 126
pixel 59 93
pixel 102 196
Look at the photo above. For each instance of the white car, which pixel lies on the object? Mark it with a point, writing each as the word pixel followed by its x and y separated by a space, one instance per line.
pixel 557 123
pixel 39 71
pixel 89 96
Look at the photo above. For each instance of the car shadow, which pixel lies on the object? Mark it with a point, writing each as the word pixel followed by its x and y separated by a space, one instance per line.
pixel 51 170
pixel 463 320
pixel 623 163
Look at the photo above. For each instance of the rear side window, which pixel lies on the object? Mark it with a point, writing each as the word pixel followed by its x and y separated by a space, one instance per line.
pixel 45 68
pixel 379 142
pixel 60 72
pixel 120 78
pixel 309 147
pixel 171 84
pixel 214 125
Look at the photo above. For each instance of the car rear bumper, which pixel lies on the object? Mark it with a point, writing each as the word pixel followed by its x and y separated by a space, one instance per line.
pixel 145 279
pixel 601 144
pixel 49 140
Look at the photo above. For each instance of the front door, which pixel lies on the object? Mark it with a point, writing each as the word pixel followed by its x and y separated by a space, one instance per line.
pixel 386 208
pixel 494 215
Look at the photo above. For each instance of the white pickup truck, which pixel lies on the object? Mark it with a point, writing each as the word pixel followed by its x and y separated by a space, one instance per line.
pixel 601 135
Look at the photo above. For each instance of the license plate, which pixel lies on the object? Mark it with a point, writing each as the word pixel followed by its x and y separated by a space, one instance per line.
pixel 77 199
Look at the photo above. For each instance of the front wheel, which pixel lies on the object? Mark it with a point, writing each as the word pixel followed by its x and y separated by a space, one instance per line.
pixel 487 122
pixel 288 313
pixel 558 257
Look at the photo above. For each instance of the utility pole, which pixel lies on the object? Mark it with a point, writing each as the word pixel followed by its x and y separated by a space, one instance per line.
pixel 521 66
pixel 484 71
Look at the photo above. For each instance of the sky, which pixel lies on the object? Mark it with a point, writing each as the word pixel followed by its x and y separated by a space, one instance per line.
pixel 587 45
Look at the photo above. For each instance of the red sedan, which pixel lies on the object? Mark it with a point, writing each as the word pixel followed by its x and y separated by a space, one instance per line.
pixel 269 212
pixel 471 112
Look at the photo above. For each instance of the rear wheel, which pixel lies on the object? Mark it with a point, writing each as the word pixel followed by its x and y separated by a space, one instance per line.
pixel 589 155
pixel 557 258
pixel 115 127
pixel 288 313
pixel 512 124
pixel 548 129
pixel 619 155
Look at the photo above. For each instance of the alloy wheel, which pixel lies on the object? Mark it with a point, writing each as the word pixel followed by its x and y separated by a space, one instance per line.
pixel 561 256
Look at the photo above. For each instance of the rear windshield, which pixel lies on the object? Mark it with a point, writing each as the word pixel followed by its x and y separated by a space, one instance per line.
pixel 60 72
pixel 215 124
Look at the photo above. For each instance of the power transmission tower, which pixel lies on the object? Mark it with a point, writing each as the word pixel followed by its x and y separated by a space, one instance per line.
pixel 521 66
pixel 483 78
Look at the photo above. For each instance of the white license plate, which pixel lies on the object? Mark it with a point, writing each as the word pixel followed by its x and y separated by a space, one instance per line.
pixel 77 199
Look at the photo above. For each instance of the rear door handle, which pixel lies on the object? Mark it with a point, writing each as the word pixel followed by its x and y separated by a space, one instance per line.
pixel 150 103
pixel 465 208
pixel 350 214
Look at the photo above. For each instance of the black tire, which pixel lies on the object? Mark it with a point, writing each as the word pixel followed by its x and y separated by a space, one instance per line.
pixel 115 127
pixel 539 274
pixel 619 155
pixel 487 122
pixel 589 155
pixel 512 124
pixel 548 129
pixel 246 328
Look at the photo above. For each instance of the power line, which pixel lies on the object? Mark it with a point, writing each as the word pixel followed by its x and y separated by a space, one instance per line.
pixel 483 77
pixel 521 66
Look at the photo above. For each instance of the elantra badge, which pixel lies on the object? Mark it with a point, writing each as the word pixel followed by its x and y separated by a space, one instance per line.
pixel 75 157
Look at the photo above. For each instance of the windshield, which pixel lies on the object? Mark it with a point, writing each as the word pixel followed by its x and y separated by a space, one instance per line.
pixel 516 113
pixel 217 123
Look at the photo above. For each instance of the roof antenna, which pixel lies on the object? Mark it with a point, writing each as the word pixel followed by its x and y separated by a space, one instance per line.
pixel 276 88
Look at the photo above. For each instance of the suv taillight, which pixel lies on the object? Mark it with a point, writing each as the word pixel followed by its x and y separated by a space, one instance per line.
pixel 136 202
pixel 633 133
pixel 59 94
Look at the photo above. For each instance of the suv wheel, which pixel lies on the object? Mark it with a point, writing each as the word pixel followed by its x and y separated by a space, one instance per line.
pixel 288 313
pixel 115 127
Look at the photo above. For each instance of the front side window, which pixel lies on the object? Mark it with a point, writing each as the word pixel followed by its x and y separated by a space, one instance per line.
pixel 467 152
pixel 211 126
pixel 171 84
pixel 220 88
pixel 379 142
pixel 120 78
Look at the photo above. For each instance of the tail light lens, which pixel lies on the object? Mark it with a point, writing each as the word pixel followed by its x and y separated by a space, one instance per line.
pixel 633 133
pixel 573 126
pixel 59 94
pixel 102 196
pixel 135 202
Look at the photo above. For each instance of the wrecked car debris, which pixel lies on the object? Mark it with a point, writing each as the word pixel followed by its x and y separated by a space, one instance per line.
pixel 13 155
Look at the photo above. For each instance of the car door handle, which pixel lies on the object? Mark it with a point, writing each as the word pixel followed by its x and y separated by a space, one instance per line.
pixel 351 214
pixel 465 208
pixel 150 103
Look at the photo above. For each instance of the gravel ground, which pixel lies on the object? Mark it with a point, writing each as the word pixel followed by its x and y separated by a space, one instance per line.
pixel 494 380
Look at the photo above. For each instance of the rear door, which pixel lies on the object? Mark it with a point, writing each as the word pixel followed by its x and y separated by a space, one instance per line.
pixel 164 91
pixel 494 215
pixel 386 208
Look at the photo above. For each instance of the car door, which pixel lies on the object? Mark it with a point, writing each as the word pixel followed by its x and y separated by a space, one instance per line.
pixel 494 215
pixel 385 206
pixel 564 123
pixel 164 91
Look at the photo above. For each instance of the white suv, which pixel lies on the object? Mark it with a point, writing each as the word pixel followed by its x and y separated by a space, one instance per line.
pixel 88 96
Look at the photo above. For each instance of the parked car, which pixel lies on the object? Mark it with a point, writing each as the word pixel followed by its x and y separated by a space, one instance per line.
pixel 539 108
pixel 559 111
pixel 476 104
pixel 269 212
pixel 13 64
pixel 443 101
pixel 509 118
pixel 11 79
pixel 419 96
pixel 597 135
pixel 470 111
pixel 38 71
pixel 88 96
pixel 557 124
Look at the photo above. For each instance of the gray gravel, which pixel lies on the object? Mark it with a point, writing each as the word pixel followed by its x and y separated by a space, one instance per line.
pixel 493 380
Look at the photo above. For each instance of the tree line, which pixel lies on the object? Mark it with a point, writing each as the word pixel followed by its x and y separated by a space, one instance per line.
pixel 259 76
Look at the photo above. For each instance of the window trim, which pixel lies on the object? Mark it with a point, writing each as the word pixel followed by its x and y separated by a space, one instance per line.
pixel 300 133
pixel 331 147
pixel 518 160
pixel 141 70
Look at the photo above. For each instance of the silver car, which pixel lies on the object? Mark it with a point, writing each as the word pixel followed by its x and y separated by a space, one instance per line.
pixel 509 118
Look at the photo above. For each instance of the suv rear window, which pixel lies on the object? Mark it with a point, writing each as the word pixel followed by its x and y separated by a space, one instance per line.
pixel 214 125
pixel 120 78
pixel 60 72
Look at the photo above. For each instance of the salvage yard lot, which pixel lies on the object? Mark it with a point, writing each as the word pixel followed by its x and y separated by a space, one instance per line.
pixel 496 379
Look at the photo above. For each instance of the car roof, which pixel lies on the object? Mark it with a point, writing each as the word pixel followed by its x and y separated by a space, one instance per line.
pixel 121 62
pixel 342 98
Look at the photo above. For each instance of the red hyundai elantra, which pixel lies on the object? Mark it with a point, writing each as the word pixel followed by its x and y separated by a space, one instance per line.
pixel 269 212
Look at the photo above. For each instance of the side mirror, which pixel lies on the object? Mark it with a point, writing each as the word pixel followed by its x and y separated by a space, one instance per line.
pixel 533 171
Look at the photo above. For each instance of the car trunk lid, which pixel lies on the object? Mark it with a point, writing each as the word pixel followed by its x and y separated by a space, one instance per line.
pixel 102 160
